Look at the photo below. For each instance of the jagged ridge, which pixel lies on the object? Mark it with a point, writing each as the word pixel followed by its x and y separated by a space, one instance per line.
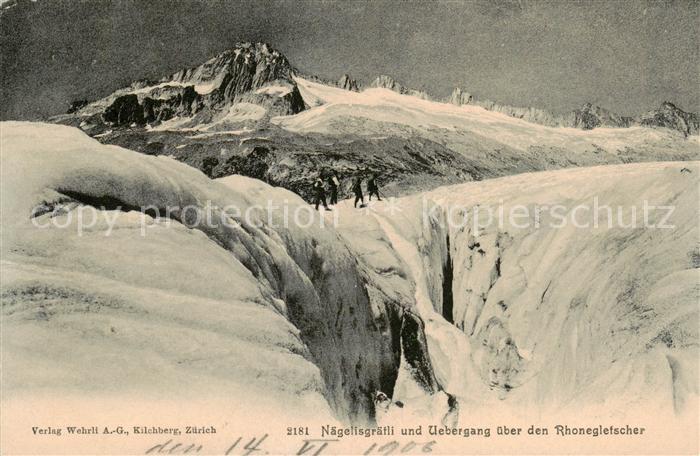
pixel 240 74
pixel 587 117
pixel 590 116
pixel 250 73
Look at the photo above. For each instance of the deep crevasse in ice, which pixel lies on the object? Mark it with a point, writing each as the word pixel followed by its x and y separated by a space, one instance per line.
pixel 318 320
pixel 561 319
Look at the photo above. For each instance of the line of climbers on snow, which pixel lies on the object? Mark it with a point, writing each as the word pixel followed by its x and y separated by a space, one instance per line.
pixel 334 183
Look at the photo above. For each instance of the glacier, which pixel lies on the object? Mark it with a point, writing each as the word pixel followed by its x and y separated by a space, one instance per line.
pixel 449 321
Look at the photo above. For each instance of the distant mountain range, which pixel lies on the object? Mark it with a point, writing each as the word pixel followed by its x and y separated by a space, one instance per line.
pixel 256 73
pixel 587 117
pixel 250 111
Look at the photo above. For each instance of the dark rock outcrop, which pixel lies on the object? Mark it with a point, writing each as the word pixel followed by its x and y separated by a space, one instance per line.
pixel 160 104
pixel 124 111
pixel 590 116
pixel 76 105
pixel 670 116
pixel 347 83
pixel 293 161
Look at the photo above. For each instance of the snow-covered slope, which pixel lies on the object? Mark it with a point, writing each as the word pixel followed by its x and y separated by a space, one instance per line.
pixel 114 306
pixel 110 315
pixel 377 110
pixel 554 319
pixel 456 322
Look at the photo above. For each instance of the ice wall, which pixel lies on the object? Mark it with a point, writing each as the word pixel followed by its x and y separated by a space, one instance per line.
pixel 125 302
pixel 560 319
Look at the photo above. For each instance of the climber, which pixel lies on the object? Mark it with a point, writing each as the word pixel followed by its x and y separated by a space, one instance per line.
pixel 334 183
pixel 319 193
pixel 372 188
pixel 357 189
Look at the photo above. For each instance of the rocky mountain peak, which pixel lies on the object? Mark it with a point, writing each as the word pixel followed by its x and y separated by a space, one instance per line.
pixel 242 68
pixel 253 73
pixel 670 116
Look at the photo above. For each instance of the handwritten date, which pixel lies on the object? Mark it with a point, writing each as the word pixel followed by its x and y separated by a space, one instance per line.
pixel 312 447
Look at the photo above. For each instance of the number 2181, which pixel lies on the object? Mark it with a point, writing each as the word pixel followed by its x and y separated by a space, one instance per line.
pixel 299 430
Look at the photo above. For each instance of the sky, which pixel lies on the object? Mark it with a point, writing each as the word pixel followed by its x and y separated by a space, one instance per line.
pixel 627 56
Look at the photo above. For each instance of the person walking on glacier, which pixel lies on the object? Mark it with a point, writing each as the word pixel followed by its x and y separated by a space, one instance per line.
pixel 372 187
pixel 334 183
pixel 319 193
pixel 357 189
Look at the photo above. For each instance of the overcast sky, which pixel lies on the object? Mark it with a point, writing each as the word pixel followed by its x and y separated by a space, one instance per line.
pixel 628 56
